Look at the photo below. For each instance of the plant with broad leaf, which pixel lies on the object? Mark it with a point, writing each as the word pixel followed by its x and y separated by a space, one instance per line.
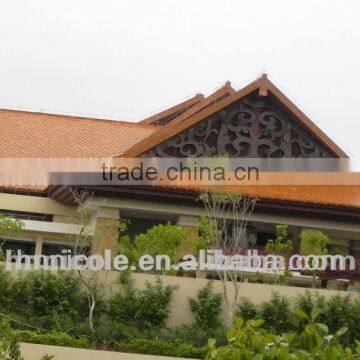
pixel 249 340
pixel 315 334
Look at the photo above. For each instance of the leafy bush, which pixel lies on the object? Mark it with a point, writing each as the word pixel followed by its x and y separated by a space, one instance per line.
pixel 51 293
pixel 147 308
pixel 335 312
pixel 192 335
pixel 246 309
pixel 158 240
pixel 49 300
pixel 162 347
pixel 9 343
pixel 53 338
pixel 6 293
pixel 124 304
pixel 354 323
pixel 281 244
pixel 310 299
pixel 338 313
pixel 207 307
pixel 153 304
pixel 107 331
pixel 277 313
pixel 313 242
pixel 250 340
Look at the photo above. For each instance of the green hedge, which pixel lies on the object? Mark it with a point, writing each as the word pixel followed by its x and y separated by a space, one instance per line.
pixel 162 347
pixel 56 339
pixel 279 313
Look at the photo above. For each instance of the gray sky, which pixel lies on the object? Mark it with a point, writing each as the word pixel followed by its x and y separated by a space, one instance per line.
pixel 129 59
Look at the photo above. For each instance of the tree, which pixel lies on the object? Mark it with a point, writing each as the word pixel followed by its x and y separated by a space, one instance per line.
pixel 9 226
pixel 163 239
pixel 204 240
pixel 313 243
pixel 85 239
pixel 228 216
pixel 281 245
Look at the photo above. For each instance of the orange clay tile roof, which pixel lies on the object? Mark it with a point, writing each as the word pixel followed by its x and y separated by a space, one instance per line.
pixel 341 195
pixel 331 195
pixel 174 111
pixel 27 134
pixel 24 188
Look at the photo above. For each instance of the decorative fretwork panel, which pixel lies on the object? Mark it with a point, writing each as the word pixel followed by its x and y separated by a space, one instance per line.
pixel 251 127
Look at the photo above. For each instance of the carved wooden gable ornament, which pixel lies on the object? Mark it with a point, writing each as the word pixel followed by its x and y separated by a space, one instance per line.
pixel 251 127
pixel 256 121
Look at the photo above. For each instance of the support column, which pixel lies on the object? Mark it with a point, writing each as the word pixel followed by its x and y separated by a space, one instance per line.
pixel 106 224
pixel 38 245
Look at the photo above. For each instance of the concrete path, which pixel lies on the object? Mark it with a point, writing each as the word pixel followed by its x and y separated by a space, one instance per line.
pixel 35 352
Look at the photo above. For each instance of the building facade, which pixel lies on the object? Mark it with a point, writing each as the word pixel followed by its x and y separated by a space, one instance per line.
pixel 257 121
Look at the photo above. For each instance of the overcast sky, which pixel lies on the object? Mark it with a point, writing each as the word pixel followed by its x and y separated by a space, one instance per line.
pixel 129 59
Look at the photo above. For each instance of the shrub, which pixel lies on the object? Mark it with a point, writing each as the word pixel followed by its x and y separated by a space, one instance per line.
pixel 146 309
pixel 123 305
pixel 246 309
pixel 192 335
pixel 6 286
pixel 49 300
pixel 161 240
pixel 249 340
pixel 9 343
pixel 153 304
pixel 336 312
pixel 354 322
pixel 207 307
pixel 277 313
pixel 162 348
pixel 54 293
pixel 281 244
pixel 107 331
pixel 309 300
pixel 53 338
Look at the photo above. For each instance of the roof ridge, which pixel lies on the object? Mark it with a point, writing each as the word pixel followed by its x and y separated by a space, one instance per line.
pixel 163 133
pixel 74 117
pixel 182 106
pixel 219 94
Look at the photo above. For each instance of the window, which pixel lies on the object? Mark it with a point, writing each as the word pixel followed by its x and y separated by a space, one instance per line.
pixel 23 215
pixel 249 239
pixel 26 247
pixel 55 249
pixel 262 237
pixel 140 225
